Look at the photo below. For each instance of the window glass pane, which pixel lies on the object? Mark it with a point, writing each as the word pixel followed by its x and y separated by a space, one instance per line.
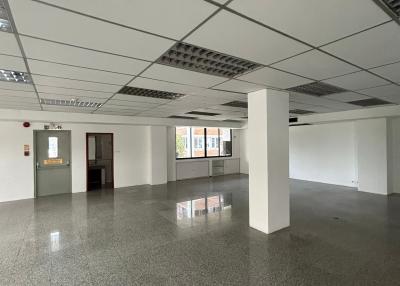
pixel 212 142
pixel 198 146
pixel 53 147
pixel 225 142
pixel 182 142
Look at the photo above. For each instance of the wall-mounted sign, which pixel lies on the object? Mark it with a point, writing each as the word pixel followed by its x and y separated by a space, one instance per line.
pixel 53 126
pixel 55 161
pixel 26 150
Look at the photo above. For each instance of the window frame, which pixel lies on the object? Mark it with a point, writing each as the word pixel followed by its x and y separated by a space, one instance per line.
pixel 205 144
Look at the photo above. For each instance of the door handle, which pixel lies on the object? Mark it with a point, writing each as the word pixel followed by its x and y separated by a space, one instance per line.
pixel 37 165
pixel 67 163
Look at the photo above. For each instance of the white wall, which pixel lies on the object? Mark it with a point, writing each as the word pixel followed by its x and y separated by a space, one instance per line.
pixel 158 155
pixel 244 159
pixel 394 155
pixel 131 149
pixel 372 155
pixel 323 153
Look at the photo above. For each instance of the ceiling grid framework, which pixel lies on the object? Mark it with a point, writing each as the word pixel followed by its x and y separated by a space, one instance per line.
pixel 72 67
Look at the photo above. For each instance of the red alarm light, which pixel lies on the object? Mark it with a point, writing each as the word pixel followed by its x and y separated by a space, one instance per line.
pixel 26 124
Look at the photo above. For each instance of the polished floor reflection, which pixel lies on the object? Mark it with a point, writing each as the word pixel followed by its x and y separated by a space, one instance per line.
pixel 196 232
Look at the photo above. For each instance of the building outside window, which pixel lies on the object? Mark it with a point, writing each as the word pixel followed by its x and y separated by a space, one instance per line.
pixel 200 142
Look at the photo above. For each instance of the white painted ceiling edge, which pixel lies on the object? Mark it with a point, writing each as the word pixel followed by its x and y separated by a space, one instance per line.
pixel 82 118
pixel 351 115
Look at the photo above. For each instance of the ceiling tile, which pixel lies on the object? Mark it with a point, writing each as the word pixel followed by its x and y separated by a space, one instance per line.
pixel 172 18
pixel 356 81
pixel 19 106
pixel 388 92
pixel 314 21
pixel 16 86
pixel 12 63
pixel 391 72
pixel 346 96
pixel 66 27
pixel 69 109
pixel 17 93
pixel 70 97
pixel 125 103
pixel 53 52
pixel 244 39
pixel 18 99
pixel 128 97
pixel 176 75
pixel 74 84
pixel 59 70
pixel 9 45
pixel 160 85
pixel 239 86
pixel 43 89
pixel 375 47
pixel 274 78
pixel 316 65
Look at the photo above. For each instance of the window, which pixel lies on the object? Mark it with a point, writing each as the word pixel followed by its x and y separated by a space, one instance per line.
pixel 198 150
pixel 199 142
pixel 53 147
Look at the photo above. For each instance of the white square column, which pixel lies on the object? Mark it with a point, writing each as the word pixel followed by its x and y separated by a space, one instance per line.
pixel 268 152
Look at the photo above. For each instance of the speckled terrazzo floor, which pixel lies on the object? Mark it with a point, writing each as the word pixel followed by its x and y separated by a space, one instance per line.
pixel 162 235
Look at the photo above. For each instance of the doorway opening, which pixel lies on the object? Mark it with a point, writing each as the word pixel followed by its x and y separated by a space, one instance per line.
pixel 99 161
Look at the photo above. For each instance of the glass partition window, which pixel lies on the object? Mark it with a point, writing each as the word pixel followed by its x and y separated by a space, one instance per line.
pixel 53 147
pixel 199 142
pixel 225 148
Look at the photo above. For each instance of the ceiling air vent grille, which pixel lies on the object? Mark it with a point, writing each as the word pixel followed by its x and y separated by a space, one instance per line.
pixel 15 76
pixel 70 102
pixel 187 56
pixel 301 111
pixel 369 102
pixel 317 88
pixel 5 24
pixel 150 93
pixel 236 103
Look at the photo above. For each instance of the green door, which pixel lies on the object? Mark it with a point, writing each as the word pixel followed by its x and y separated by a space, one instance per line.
pixel 53 162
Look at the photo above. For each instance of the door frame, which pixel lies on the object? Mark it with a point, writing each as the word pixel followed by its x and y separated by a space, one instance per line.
pixel 87 155
pixel 35 132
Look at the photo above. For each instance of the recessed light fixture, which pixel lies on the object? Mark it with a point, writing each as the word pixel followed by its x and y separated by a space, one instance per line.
pixel 15 76
pixel 300 111
pixel 181 117
pixel 129 90
pixel 236 103
pixel 5 24
pixel 187 56
pixel 232 120
pixel 317 89
pixel 370 102
pixel 202 113
pixel 391 7
pixel 70 102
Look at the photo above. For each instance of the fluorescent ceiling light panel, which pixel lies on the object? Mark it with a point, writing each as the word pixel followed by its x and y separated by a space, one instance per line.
pixel 370 102
pixel 191 57
pixel 70 102
pixel 15 76
pixel 237 103
pixel 203 113
pixel 317 89
pixel 301 111
pixel 5 24
pixel 149 93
